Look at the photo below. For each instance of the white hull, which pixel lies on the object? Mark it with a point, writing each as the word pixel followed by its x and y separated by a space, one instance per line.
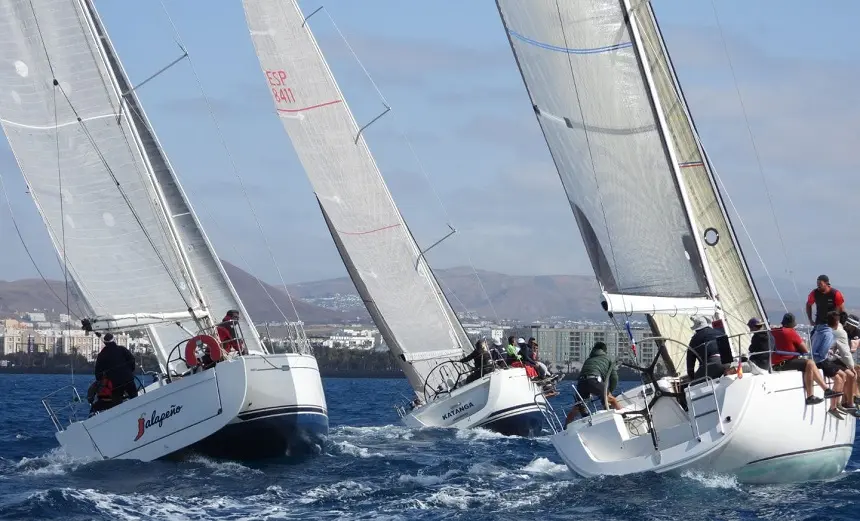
pixel 506 401
pixel 764 433
pixel 249 407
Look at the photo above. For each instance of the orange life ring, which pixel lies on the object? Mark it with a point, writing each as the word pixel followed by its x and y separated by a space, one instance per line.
pixel 211 345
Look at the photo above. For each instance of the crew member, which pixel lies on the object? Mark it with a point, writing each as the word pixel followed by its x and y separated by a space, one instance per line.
pixel 114 374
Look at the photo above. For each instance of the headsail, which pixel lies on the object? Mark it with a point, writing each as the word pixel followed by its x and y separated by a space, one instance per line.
pixel 735 288
pixel 630 160
pixel 91 164
pixel 395 282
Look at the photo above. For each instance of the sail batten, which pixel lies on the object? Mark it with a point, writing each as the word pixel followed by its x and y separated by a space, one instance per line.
pixel 397 286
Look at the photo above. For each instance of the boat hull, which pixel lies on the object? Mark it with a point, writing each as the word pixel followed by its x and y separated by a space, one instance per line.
pixel 252 407
pixel 504 401
pixel 762 432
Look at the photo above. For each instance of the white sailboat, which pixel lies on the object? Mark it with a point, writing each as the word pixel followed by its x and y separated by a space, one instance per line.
pixel 661 243
pixel 388 269
pixel 119 219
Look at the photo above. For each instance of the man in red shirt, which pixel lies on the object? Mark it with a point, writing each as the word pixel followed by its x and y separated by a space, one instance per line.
pixel 785 342
pixel 826 299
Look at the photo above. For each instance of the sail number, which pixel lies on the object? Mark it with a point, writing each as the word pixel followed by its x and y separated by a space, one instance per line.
pixel 280 91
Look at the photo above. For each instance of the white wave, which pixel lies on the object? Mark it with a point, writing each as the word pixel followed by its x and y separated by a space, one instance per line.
pixel 388 432
pixel 223 468
pixel 460 498
pixel 53 463
pixel 338 491
pixel 426 480
pixel 477 434
pixel 546 467
pixel 134 507
pixel 711 480
pixel 345 447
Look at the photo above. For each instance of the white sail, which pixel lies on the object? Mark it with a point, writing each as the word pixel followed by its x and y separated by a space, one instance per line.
pixel 395 282
pixel 105 191
pixel 630 161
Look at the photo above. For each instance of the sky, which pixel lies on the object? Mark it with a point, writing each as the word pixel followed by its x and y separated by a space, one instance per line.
pixel 446 69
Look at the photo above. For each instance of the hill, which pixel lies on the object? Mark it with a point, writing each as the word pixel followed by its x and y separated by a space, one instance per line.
pixel 33 294
pixel 522 297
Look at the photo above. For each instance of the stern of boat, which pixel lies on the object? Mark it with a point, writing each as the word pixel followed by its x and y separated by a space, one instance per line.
pixel 284 412
pixel 505 401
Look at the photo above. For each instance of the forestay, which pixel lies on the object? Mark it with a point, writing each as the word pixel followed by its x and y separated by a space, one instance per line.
pixel 82 156
pixel 395 282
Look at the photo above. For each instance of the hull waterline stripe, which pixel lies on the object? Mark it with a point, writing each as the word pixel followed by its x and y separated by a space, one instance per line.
pixel 567 50
pixel 281 411
pixel 807 451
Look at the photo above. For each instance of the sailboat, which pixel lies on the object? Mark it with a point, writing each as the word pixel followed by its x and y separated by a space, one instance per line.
pixel 390 272
pixel 661 243
pixel 135 250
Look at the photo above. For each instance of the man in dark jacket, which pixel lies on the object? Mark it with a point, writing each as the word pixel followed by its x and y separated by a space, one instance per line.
pixel 759 348
pixel 483 361
pixel 114 373
pixel 596 371
pixel 710 347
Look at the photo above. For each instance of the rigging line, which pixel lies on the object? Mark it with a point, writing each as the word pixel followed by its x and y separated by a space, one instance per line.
pixel 127 200
pixel 755 151
pixel 234 167
pixel 247 266
pixel 590 152
pixel 418 161
pixel 24 244
pixel 63 229
pixel 102 158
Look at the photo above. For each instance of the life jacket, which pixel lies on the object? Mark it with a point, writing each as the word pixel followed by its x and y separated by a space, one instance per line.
pixel 227 335
pixel 531 372
pixel 824 303
pixel 101 390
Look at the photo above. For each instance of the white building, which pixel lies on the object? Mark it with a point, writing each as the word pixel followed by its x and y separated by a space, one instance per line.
pixel 563 346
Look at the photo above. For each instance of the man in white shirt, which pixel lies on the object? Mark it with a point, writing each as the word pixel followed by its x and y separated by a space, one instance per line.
pixel 840 362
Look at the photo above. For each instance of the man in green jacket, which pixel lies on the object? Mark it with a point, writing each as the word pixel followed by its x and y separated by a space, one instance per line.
pixel 595 372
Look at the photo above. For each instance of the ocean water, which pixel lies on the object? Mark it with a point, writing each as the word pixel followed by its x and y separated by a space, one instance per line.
pixel 371 468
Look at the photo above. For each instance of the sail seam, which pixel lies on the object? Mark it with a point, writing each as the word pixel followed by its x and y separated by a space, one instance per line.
pixel 568 50
pixel 58 125
pixel 318 105
pixel 370 231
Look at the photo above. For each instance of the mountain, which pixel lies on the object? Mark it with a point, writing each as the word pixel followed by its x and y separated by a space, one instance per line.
pixel 522 297
pixel 540 297
pixel 33 294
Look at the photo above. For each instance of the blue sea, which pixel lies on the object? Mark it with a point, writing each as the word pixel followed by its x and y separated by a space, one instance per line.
pixel 371 468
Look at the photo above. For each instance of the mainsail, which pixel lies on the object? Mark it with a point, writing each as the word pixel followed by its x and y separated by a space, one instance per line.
pixel 381 256
pixel 638 182
pixel 111 203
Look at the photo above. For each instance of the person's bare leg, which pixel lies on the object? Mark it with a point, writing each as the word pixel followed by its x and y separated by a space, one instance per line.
pixel 807 380
pixel 816 374
pixel 613 402
pixel 850 382
pixel 837 387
